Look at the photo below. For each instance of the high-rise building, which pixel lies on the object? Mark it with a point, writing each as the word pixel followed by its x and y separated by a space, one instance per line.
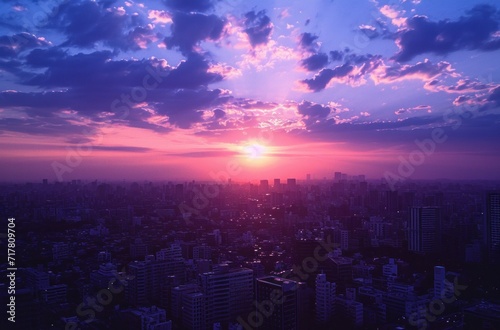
pixel 390 269
pixel 149 276
pixel 138 249
pixel 202 252
pixel 350 311
pixel 35 279
pixel 171 252
pixel 493 227
pixel 439 281
pixel 264 186
pixel 144 318
pixel 177 300
pixel 100 278
pixel 61 251
pixel 228 293
pixel 424 229
pixel 281 303
pixel 337 176
pixel 193 311
pixel 344 239
pixel 325 299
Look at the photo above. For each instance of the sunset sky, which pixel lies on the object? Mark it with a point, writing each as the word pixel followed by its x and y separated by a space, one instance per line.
pixel 178 89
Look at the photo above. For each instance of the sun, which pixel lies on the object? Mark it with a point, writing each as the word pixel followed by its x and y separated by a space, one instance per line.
pixel 255 151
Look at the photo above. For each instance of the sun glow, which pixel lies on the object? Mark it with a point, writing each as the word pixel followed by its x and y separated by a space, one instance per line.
pixel 255 151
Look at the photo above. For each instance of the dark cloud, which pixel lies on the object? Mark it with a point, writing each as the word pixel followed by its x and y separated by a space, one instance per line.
pixel 55 127
pixel 208 153
pixel 307 108
pixel 336 55
pixel 495 96
pixel 93 82
pixel 218 114
pixel 122 149
pixel 315 62
pixel 360 59
pixel 86 23
pixel 189 5
pixel 96 71
pixel 189 29
pixel 473 31
pixel 191 74
pixel 11 46
pixel 422 70
pixel 258 27
pixel 308 42
pixel 313 113
pixel 322 79
pixel 184 107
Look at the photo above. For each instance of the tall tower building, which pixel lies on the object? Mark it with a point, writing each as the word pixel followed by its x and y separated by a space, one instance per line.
pixel 228 294
pixel 493 227
pixel 193 309
pixel 325 298
pixel 439 278
pixel 337 176
pixel 264 186
pixel 287 298
pixel 424 229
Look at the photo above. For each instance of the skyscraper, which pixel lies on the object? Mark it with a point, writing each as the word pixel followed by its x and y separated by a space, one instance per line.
pixel 424 229
pixel 325 298
pixel 287 311
pixel 228 293
pixel 439 278
pixel 493 227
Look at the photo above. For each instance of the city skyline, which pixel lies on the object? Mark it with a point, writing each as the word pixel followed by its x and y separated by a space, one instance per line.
pixel 114 90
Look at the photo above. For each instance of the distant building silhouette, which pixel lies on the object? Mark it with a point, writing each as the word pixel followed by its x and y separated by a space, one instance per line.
pixel 424 230
pixel 493 227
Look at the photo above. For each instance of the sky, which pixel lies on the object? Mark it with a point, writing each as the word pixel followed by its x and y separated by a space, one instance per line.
pixel 249 89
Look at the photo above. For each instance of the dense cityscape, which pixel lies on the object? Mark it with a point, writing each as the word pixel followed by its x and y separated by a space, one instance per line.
pixel 338 253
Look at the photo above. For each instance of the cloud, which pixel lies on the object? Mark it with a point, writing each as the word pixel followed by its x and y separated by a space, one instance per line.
pixel 336 55
pixel 425 71
pixel 96 71
pixel 190 5
pixel 85 23
pixel 91 83
pixel 308 42
pixel 352 72
pixel 122 149
pixel 369 30
pixel 476 30
pixel 462 86
pixel 315 62
pixel 189 29
pixel 185 107
pixel 207 153
pixel 322 79
pixel 312 110
pixel 11 46
pixel 495 96
pixel 258 27
pixel 426 108
pixel 159 17
pixel 394 15
pixel 42 126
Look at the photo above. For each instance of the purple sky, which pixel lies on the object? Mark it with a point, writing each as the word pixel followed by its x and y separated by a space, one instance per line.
pixel 187 89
